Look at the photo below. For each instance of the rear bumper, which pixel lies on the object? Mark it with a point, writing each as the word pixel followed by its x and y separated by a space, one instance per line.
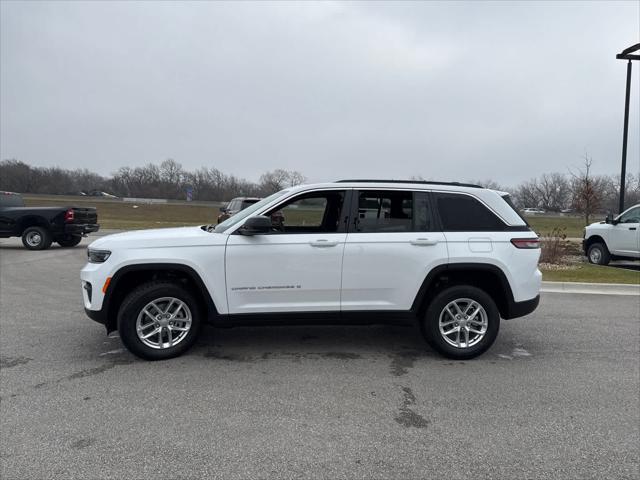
pixel 520 309
pixel 80 228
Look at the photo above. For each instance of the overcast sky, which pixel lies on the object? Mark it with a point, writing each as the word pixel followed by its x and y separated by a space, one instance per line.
pixel 449 91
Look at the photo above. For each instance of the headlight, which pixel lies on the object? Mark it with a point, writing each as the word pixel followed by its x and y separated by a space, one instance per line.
pixel 98 256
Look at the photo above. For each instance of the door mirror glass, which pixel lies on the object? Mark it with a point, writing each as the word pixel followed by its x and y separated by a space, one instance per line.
pixel 256 225
pixel 608 218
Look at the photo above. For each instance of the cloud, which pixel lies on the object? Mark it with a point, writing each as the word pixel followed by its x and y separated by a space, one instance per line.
pixel 443 90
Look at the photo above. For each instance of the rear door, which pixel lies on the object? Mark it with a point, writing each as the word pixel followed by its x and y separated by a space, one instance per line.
pixel 296 267
pixel 391 246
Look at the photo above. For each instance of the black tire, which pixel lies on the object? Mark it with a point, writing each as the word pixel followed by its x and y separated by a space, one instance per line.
pixel 431 322
pixel 598 254
pixel 36 238
pixel 68 241
pixel 133 305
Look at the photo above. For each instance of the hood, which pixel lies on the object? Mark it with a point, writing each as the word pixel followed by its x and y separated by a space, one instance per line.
pixel 159 237
pixel 598 226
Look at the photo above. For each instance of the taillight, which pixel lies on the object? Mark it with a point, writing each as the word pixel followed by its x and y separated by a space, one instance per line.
pixel 526 242
pixel 69 215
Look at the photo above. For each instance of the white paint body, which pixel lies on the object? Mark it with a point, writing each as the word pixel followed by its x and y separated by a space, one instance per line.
pixel 325 271
pixel 621 239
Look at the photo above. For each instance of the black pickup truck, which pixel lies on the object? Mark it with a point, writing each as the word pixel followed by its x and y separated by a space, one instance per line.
pixel 40 226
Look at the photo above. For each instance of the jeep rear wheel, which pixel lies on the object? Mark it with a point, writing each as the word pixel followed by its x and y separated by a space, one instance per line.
pixel 461 322
pixel 36 238
pixel 159 320
pixel 598 254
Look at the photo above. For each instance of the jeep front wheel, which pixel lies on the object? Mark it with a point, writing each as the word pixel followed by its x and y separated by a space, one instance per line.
pixel 159 320
pixel 461 322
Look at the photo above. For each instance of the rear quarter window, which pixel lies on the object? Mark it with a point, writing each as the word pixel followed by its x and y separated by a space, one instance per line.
pixel 11 200
pixel 463 213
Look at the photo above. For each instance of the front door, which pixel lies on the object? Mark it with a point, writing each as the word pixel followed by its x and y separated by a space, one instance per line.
pixel 296 267
pixel 624 236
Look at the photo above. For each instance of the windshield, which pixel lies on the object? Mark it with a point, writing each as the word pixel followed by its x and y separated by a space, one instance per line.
pixel 238 217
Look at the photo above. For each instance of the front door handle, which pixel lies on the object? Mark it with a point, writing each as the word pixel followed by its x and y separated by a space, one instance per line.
pixel 423 242
pixel 632 228
pixel 322 243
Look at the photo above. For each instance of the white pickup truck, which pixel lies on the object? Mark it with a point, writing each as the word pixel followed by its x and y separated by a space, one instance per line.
pixel 614 239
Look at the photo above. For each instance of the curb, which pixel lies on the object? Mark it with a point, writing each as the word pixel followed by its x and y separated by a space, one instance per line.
pixel 591 288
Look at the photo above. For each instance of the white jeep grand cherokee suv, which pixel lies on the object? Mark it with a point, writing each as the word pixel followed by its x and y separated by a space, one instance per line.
pixel 614 239
pixel 451 258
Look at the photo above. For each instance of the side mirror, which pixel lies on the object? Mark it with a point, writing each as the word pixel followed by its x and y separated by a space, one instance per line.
pixel 256 225
pixel 223 209
pixel 610 219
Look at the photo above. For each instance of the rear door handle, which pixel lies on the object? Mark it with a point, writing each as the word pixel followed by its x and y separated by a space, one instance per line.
pixel 423 242
pixel 322 243
pixel 632 228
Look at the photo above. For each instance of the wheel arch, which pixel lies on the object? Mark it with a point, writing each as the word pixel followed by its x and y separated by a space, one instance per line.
pixel 595 239
pixel 489 278
pixel 130 276
pixel 32 221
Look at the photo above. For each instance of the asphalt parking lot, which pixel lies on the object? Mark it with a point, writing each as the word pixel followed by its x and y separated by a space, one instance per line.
pixel 558 395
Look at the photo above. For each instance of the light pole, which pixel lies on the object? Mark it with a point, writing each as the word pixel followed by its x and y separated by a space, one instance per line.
pixel 626 54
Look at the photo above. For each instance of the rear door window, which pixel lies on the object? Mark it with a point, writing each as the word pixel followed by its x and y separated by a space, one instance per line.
pixel 388 211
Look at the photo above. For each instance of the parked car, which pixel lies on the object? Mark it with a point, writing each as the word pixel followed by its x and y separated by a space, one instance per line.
pixel 40 226
pixel 98 193
pixel 533 211
pixel 614 239
pixel 451 258
pixel 236 205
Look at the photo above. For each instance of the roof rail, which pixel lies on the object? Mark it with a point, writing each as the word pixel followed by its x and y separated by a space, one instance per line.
pixel 423 182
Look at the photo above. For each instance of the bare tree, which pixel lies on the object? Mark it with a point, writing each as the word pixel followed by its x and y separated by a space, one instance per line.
pixel 587 191
pixel 17 176
pixel 171 172
pixel 527 195
pixel 296 178
pixel 553 191
pixel 611 195
pixel 271 182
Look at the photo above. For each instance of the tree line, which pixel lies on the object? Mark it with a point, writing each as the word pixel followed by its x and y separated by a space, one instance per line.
pixel 578 190
pixel 165 180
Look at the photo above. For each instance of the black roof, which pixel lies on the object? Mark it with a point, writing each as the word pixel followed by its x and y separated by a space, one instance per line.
pixel 423 182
